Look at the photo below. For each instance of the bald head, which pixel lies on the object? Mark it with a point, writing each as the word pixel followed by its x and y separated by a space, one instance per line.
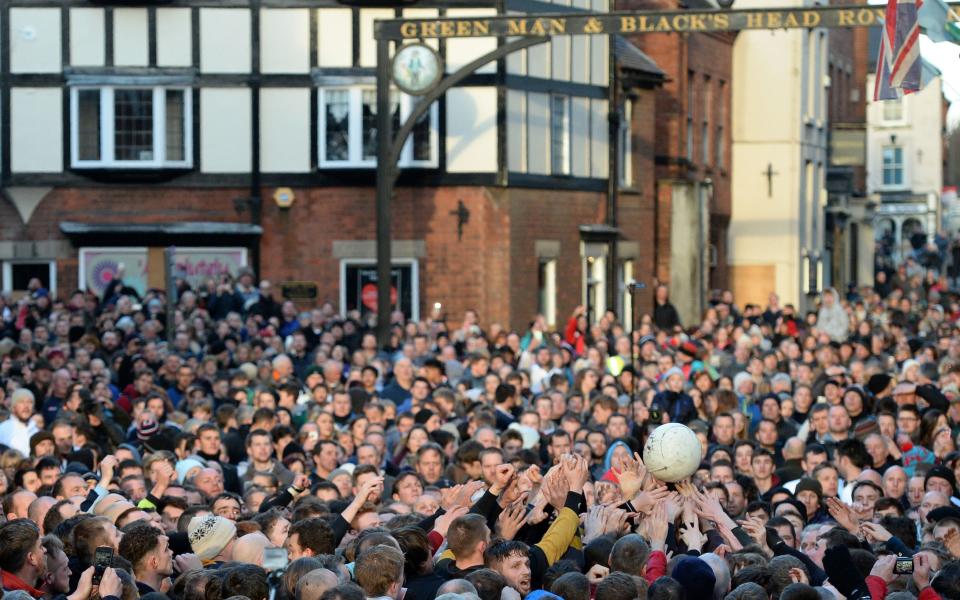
pixel 315 583
pixel 249 548
pixel 38 510
pixel 282 365
pixel 895 481
pixel 871 476
pixel 19 504
pixel 793 448
pixel 931 500
pixel 721 571
pixel 456 586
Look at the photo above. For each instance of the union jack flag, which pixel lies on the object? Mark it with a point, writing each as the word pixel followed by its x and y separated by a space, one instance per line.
pixel 898 65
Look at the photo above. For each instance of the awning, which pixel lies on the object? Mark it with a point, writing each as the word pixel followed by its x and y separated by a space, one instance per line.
pixel 599 232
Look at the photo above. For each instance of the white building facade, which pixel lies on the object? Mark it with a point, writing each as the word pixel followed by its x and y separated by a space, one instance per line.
pixel 779 162
pixel 905 165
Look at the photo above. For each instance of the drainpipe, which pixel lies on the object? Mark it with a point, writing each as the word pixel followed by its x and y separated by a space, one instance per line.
pixel 613 176
pixel 256 202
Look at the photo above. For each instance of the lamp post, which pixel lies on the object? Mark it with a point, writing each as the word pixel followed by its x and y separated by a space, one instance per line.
pixel 390 145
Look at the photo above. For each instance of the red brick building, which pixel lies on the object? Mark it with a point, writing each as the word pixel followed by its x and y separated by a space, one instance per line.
pixel 141 126
pixel 692 156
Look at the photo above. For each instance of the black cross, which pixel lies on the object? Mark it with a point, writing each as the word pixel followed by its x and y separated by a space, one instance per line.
pixel 463 217
pixel 769 173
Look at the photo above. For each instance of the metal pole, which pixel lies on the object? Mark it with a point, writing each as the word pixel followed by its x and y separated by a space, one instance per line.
pixel 168 267
pixel 388 154
pixel 385 179
pixel 631 288
pixel 613 171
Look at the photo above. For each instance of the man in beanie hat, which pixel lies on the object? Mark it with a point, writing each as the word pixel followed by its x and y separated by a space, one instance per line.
pixel 146 428
pixel 212 538
pixel 810 493
pixel 941 479
pixel 880 385
pixel 695 576
pixel 42 444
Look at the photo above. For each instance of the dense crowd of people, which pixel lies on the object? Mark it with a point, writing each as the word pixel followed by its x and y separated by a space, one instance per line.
pixel 258 451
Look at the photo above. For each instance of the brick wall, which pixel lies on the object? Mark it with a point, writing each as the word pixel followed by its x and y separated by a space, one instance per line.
pixel 677 55
pixel 492 269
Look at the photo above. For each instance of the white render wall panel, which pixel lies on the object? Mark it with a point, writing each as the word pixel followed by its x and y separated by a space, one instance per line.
pixel 598 145
pixel 130 37
pixel 87 43
pixel 285 40
pixel 36 130
pixel 560 61
pixel 580 58
pixel 335 37
pixel 580 136
pixel 538 60
pixel 285 130
pixel 599 49
pixel 174 37
pixel 580 50
pixel 472 130
pixel 598 59
pixel 225 130
pixel 516 131
pixel 224 40
pixel 538 133
pixel 516 61
pixel 35 40
pixel 461 51
pixel 368 45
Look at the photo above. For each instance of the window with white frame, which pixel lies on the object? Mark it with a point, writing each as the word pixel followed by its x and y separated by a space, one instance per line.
pixel 131 127
pixel 18 274
pixel 348 128
pixel 560 135
pixel 892 166
pixel 892 110
pixel 547 290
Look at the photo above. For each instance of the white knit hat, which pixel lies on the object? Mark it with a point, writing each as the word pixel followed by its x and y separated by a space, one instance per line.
pixel 209 535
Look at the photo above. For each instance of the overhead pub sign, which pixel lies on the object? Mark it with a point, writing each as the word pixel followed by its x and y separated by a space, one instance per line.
pixel 686 21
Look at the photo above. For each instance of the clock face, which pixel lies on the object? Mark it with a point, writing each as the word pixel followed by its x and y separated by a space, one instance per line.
pixel 416 69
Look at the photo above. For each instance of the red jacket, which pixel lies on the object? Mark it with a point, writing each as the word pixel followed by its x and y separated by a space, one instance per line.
pixel 656 566
pixel 574 337
pixel 878 590
pixel 12 583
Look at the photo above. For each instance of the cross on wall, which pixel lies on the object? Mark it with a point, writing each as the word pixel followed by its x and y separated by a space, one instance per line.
pixel 769 173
